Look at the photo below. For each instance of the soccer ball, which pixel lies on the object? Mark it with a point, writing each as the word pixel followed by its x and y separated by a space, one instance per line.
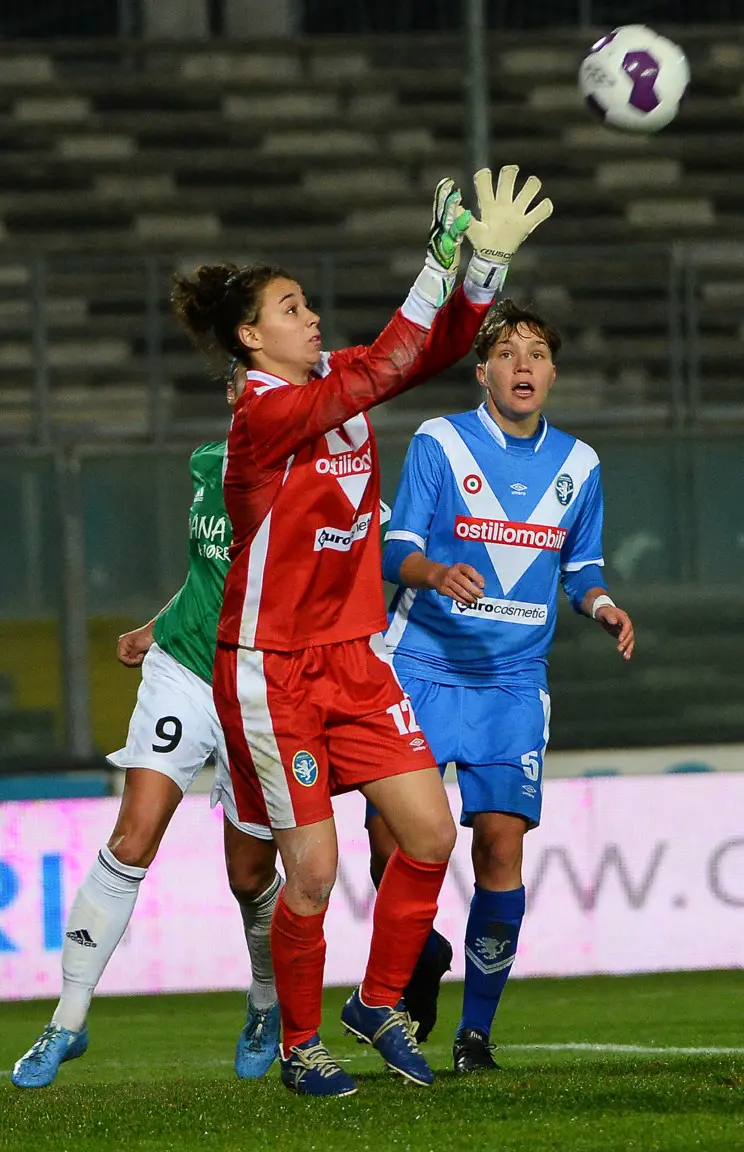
pixel 634 79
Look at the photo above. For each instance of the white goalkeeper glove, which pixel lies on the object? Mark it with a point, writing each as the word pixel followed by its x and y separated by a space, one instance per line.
pixel 449 222
pixel 505 221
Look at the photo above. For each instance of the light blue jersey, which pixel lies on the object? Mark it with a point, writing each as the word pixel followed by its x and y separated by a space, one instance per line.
pixel 523 513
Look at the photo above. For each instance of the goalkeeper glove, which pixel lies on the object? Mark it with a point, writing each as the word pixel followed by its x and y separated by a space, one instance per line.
pixel 449 222
pixel 504 222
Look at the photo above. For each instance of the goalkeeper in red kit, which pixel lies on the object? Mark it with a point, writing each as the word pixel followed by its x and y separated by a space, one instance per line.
pixel 303 687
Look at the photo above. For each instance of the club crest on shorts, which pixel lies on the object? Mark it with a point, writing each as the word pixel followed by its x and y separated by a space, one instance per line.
pixel 305 768
pixel 564 489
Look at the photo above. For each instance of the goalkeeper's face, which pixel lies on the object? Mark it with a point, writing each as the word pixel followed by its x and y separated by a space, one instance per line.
pixel 285 337
pixel 518 373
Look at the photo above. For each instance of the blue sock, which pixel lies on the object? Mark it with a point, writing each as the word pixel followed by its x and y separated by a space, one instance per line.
pixel 490 947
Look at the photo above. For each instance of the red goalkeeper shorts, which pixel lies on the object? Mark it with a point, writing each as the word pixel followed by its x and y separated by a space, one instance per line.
pixel 303 726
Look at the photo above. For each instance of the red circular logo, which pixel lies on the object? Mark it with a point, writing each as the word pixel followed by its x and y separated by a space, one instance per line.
pixel 472 484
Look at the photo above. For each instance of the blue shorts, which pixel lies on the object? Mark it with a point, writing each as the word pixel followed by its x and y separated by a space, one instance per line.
pixel 496 737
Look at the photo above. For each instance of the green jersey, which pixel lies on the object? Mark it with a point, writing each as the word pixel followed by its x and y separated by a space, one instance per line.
pixel 187 628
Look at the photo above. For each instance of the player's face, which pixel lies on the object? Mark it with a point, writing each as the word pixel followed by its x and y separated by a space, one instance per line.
pixel 285 339
pixel 518 374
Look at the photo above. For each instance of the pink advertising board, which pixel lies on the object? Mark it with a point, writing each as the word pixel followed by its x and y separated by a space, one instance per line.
pixel 625 875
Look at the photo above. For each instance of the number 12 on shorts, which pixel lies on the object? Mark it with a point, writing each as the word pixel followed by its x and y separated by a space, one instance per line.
pixel 403 716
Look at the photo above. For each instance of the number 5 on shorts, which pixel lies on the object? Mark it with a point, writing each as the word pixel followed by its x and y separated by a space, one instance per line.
pixel 532 761
pixel 531 765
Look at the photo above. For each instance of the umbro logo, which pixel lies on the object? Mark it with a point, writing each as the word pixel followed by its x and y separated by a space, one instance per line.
pixel 519 489
pixel 82 936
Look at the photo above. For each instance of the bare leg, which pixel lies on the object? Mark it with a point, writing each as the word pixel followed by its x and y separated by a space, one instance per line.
pixel 381 847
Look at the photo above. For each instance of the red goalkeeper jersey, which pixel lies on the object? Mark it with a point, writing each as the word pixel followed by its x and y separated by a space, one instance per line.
pixel 302 487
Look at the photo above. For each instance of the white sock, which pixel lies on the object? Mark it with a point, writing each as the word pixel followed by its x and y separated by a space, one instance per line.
pixel 257 924
pixel 98 918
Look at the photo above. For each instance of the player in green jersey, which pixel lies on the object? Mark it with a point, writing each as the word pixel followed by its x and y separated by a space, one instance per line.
pixel 173 731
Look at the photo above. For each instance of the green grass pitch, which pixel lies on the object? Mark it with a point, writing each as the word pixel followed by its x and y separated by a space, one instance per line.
pixel 158 1076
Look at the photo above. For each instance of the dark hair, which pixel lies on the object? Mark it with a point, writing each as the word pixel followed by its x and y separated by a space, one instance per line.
pixel 218 299
pixel 504 318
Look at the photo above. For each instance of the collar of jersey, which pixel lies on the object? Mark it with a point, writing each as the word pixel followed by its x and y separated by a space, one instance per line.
pixel 267 380
pixel 262 381
pixel 493 429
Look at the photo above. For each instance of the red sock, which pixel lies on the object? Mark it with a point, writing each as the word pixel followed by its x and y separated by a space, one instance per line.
pixel 404 913
pixel 298 951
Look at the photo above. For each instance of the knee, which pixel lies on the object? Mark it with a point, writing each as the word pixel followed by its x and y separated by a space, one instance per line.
pixel 249 883
pixel 497 861
pixel 433 841
pixel 445 838
pixel 311 888
pixel 136 847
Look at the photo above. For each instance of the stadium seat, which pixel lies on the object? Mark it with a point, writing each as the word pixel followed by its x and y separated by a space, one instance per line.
pixel 160 154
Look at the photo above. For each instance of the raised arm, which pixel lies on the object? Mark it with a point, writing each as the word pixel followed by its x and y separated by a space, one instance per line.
pixel 279 420
pixel 424 338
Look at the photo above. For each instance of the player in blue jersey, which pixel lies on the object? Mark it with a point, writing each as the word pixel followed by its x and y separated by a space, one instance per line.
pixel 495 507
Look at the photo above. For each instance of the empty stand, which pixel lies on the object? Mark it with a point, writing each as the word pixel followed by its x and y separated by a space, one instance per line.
pixel 120 162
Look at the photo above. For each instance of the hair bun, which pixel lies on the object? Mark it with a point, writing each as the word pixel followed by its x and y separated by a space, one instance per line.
pixel 195 300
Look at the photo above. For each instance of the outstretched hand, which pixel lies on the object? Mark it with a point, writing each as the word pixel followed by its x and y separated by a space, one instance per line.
pixel 506 219
pixel 619 625
pixel 449 223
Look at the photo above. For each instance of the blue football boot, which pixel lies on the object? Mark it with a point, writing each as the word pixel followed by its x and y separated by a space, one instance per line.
pixel 258 1043
pixel 39 1065
pixel 310 1070
pixel 392 1033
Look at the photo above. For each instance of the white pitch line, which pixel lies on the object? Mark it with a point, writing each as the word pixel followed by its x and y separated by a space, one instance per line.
pixel 631 1049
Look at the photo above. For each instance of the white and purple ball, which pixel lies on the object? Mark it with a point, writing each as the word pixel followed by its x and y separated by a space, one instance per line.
pixel 634 79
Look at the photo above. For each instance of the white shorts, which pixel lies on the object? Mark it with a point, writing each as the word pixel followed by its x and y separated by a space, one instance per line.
pixel 174 730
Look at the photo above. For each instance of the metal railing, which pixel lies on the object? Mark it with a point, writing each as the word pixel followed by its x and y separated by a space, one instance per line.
pixel 89 347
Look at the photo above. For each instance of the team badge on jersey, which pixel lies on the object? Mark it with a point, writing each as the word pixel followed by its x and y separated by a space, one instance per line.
pixel 472 484
pixel 564 489
pixel 305 768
